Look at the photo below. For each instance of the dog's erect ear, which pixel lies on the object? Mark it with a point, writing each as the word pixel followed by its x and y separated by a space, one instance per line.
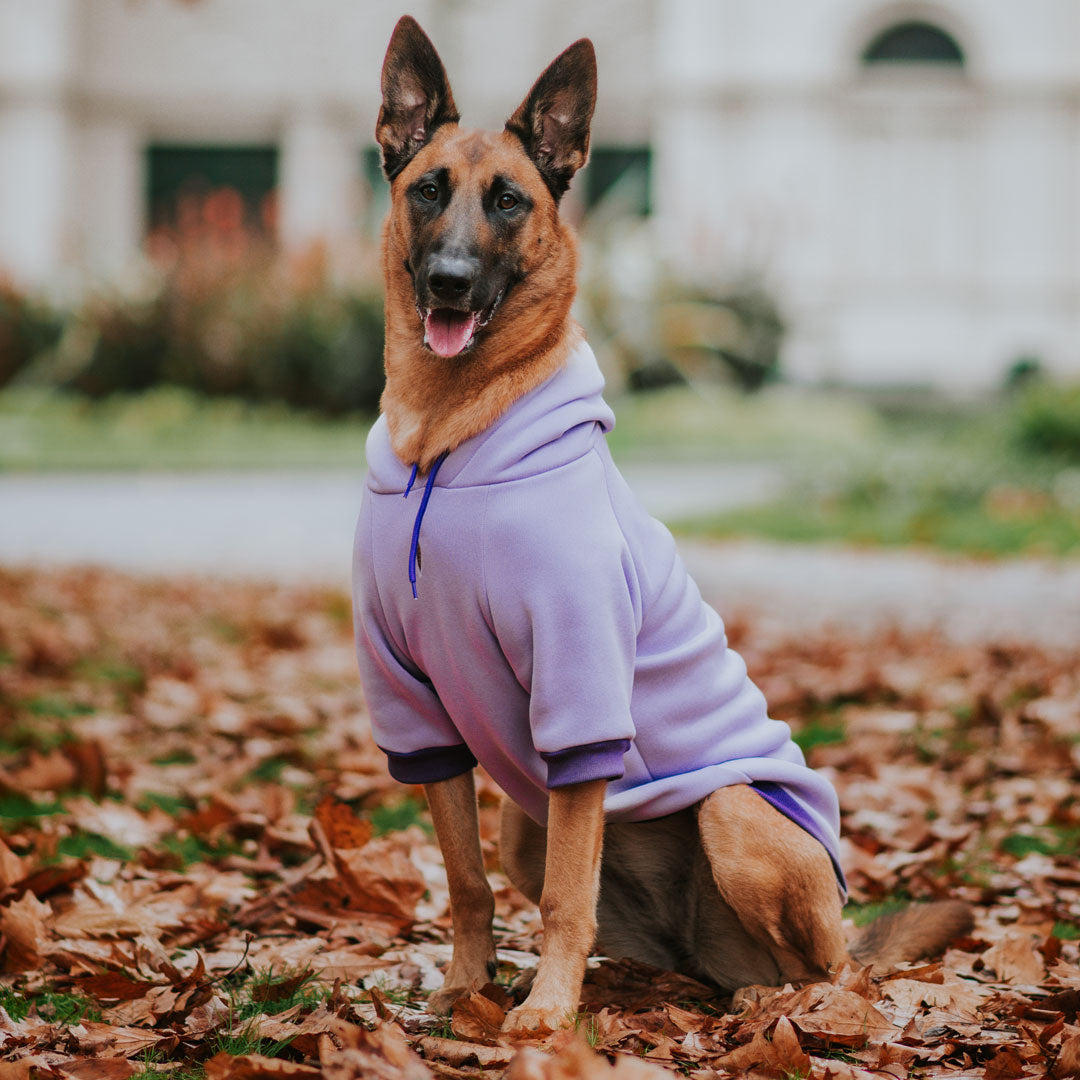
pixel 416 96
pixel 553 120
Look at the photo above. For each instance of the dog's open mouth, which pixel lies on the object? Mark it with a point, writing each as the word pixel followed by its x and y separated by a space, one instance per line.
pixel 448 332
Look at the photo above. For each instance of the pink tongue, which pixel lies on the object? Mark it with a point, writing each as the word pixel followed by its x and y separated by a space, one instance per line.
pixel 447 332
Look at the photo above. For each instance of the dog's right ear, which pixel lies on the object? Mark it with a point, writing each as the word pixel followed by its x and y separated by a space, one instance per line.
pixel 416 96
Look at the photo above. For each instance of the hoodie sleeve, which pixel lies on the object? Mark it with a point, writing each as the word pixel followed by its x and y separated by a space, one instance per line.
pixel 564 604
pixel 408 720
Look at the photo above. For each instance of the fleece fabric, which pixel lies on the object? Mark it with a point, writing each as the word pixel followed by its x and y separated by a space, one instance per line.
pixel 556 635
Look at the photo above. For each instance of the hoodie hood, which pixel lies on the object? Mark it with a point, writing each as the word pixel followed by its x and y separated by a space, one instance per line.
pixel 557 422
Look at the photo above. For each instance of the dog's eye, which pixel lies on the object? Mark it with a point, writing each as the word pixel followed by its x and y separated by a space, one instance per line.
pixel 429 192
pixel 506 201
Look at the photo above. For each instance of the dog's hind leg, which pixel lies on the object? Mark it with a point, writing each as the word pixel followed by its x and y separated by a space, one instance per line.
pixel 522 850
pixel 779 882
pixel 472 907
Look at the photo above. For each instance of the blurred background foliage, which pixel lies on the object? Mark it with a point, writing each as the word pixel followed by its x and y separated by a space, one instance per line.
pixel 226 352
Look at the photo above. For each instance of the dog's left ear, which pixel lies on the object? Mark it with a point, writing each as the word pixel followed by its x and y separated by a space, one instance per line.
pixel 416 96
pixel 553 120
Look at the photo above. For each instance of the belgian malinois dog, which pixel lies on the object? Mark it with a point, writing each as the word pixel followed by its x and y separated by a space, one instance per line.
pixel 520 609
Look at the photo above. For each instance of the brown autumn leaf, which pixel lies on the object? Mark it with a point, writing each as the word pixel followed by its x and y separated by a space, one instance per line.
pixel 257 1067
pixel 1016 959
pixel 779 1056
pixel 478 1019
pixel 1006 1064
pixel 574 1060
pixel 460 1053
pixel 342 827
pixel 11 866
pixel 381 878
pixel 243 688
pixel 1067 1065
pixel 88 760
pixel 354 1053
pixel 839 1016
pixel 23 926
pixel 113 986
pixel 113 1040
pixel 97 1068
pixel 18 1070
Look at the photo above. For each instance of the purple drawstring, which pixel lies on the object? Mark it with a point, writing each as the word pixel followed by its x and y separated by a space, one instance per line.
pixel 412 480
pixel 415 545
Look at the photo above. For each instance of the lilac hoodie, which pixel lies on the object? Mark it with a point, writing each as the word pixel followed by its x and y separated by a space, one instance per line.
pixel 556 636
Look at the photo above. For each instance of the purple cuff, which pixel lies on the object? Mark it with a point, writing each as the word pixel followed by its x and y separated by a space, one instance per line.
pixel 430 765
pixel 593 761
pixel 777 796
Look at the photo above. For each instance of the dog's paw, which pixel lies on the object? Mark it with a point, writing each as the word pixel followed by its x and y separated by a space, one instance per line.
pixel 442 1001
pixel 537 1019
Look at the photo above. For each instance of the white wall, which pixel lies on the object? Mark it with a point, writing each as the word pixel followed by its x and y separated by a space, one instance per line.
pixel 916 228
pixel 920 225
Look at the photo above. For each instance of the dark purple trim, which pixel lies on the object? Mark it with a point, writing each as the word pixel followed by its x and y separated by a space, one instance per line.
pixel 778 796
pixel 431 764
pixel 591 761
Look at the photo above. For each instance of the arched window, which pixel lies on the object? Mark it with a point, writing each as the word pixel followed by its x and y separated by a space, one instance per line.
pixel 913 43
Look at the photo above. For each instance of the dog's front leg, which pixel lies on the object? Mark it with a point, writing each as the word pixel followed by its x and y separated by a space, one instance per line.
pixel 472 907
pixel 575 834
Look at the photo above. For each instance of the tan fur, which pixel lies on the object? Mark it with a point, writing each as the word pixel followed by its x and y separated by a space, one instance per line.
pixel 912 933
pixel 731 890
pixel 567 906
pixel 453 812
pixel 432 405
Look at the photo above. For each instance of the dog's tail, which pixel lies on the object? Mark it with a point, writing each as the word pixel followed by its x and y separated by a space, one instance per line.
pixel 912 933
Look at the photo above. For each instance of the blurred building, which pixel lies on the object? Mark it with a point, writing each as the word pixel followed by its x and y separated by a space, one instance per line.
pixel 904 175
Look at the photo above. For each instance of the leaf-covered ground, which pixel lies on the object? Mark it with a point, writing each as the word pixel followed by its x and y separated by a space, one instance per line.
pixel 205 868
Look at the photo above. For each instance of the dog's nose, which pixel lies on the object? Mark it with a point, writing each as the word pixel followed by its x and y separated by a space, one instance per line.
pixel 450 277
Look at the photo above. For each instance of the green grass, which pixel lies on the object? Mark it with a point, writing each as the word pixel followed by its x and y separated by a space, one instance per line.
pixel 56 1007
pixel 959 527
pixel 173 805
pixel 188 849
pixel 1053 840
pixel 886 471
pixel 862 914
pixel 83 845
pixel 392 817
pixel 20 808
pixel 168 428
pixel 819 733
pixel 707 423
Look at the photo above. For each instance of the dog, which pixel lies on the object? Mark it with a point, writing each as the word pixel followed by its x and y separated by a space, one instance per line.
pixel 515 606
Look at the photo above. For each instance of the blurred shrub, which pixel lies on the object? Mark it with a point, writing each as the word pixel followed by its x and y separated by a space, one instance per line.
pixel 223 313
pixel 652 329
pixel 734 333
pixel 27 328
pixel 1047 419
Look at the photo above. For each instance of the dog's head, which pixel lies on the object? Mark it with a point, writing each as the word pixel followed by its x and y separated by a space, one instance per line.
pixel 475 213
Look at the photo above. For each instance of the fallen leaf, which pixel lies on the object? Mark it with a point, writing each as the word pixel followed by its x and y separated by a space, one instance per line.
pixel 478 1019
pixel 1067 1065
pixel 23 924
pixel 1016 959
pixel 781 1056
pixel 256 1067
pixel 342 828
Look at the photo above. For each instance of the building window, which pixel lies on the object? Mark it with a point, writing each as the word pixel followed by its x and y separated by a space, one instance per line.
pixel 221 188
pixel 621 173
pixel 913 43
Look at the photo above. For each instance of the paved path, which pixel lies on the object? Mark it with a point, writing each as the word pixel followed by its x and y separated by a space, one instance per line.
pixel 298 526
